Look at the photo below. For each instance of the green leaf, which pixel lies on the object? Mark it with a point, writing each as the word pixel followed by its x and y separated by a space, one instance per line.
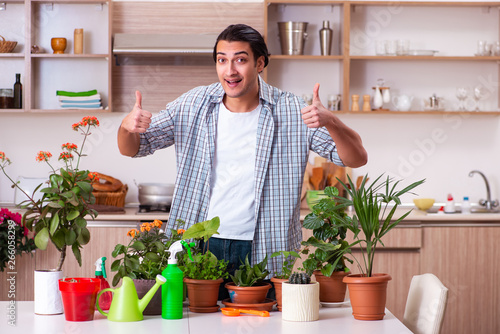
pixel 54 223
pixel 59 239
pixel 84 236
pixel 76 252
pixel 85 186
pixel 115 265
pixel 312 221
pixel 80 222
pixel 119 249
pixel 70 237
pixel 152 257
pixel 138 245
pixel 42 239
pixel 203 230
pixel 72 215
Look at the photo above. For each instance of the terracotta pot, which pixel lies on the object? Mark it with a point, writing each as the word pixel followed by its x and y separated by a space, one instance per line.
pixel 277 289
pixel 248 294
pixel 58 44
pixel 143 286
pixel 300 301
pixel 331 289
pixel 202 294
pixel 368 295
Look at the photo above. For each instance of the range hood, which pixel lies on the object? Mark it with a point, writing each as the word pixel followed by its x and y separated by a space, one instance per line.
pixel 163 44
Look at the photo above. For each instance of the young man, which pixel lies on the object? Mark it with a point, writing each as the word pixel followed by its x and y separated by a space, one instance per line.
pixel 242 147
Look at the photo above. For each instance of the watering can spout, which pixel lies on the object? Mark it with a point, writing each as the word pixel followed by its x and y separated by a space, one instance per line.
pixel 147 297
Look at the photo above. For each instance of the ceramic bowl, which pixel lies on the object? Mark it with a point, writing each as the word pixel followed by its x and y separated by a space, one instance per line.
pixel 58 44
pixel 424 203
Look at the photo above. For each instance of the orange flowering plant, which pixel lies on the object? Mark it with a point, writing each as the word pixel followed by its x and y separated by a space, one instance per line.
pixel 146 255
pixel 60 214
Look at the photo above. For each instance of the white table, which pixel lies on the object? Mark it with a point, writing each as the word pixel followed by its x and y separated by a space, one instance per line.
pixel 332 320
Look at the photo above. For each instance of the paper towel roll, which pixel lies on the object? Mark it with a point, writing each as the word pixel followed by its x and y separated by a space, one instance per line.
pixel 47 295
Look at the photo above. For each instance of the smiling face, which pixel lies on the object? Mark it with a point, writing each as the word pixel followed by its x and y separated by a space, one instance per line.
pixel 238 72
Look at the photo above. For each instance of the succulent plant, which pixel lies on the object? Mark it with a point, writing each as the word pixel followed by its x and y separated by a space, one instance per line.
pixel 299 278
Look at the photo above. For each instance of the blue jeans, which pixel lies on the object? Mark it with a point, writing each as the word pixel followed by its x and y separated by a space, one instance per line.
pixel 234 251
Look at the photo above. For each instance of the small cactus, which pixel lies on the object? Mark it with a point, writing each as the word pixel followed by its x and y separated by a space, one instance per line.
pixel 299 278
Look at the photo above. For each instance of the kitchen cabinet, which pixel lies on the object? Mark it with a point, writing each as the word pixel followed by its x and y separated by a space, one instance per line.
pixel 451 28
pixel 35 22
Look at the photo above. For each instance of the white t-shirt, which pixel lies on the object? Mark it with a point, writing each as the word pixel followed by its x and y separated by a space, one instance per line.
pixel 232 190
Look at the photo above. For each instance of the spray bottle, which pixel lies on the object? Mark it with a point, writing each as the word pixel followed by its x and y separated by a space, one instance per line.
pixel 172 290
pixel 100 273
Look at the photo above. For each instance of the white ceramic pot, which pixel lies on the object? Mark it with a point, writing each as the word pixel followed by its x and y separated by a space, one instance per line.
pixel 47 295
pixel 300 302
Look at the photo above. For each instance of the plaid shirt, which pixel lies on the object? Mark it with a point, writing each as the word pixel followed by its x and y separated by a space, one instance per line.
pixel 283 144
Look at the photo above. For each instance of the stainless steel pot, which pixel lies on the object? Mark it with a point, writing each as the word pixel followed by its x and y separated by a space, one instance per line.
pixel 155 193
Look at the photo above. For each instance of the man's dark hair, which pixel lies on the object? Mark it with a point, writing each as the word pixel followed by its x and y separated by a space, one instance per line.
pixel 244 33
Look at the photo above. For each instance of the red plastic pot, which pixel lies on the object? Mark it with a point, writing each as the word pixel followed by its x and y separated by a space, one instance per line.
pixel 79 296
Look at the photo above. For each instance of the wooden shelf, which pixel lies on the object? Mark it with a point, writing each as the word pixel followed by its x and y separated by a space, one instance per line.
pixel 430 58
pixel 12 55
pixel 418 112
pixel 306 57
pixel 68 55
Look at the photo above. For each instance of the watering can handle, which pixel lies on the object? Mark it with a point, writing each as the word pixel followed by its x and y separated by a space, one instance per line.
pixel 97 300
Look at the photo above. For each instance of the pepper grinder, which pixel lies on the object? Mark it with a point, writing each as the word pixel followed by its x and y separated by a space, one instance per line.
pixel 78 41
pixel 325 37
pixel 355 102
pixel 366 103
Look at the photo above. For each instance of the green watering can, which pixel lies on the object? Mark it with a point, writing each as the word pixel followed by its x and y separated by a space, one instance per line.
pixel 126 305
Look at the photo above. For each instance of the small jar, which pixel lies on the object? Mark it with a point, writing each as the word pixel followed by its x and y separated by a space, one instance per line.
pixel 6 98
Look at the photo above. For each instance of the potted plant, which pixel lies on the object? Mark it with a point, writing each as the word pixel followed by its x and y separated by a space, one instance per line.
pixel 328 260
pixel 204 273
pixel 60 215
pixel 14 238
pixel 372 219
pixel 247 286
pixel 144 257
pixel 290 257
pixel 300 298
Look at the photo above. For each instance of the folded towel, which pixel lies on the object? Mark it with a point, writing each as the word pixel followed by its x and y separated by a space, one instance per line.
pixel 82 106
pixel 79 98
pixel 65 93
pixel 80 101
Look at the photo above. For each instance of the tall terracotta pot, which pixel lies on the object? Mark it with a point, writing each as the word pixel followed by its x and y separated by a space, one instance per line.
pixel 202 294
pixel 331 289
pixel 248 294
pixel 277 282
pixel 368 295
pixel 143 286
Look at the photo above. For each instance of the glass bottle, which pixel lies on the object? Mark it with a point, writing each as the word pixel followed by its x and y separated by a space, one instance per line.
pixel 18 92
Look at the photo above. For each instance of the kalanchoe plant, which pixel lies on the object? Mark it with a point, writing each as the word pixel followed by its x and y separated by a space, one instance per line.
pixel 59 216
pixel 290 257
pixel 146 255
pixel 247 275
pixel 299 278
pixel 328 237
pixel 14 239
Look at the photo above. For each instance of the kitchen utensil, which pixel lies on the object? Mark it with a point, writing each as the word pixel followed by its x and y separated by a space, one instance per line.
pixel 434 103
pixel 292 36
pixel 317 178
pixel 377 98
pixel 126 305
pixel 155 193
pixel 234 312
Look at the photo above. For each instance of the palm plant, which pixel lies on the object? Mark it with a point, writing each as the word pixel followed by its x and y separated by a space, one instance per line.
pixel 374 214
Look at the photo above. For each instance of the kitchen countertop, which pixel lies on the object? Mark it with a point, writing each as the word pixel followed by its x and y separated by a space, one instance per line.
pixel 340 319
pixel 416 218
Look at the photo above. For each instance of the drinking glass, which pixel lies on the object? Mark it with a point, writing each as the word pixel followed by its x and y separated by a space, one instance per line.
pixel 402 47
pixel 478 93
pixel 390 48
pixel 462 94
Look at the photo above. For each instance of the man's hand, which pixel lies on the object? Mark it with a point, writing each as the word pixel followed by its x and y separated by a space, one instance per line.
pixel 138 120
pixel 316 115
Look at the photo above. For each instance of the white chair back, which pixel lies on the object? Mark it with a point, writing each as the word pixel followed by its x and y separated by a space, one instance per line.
pixel 425 305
